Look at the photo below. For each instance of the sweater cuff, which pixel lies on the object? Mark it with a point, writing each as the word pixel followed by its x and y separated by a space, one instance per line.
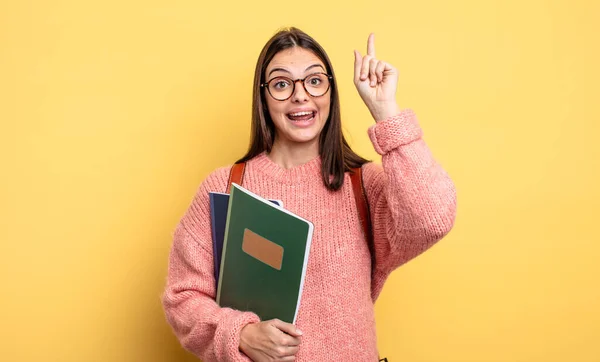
pixel 395 131
pixel 227 335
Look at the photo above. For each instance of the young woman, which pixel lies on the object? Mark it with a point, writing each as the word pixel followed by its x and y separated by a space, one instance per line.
pixel 299 155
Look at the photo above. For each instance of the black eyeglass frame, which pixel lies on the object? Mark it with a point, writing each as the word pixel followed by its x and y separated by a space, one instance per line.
pixel 266 84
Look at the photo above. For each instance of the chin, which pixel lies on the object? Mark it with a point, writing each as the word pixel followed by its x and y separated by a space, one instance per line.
pixel 303 138
pixel 306 135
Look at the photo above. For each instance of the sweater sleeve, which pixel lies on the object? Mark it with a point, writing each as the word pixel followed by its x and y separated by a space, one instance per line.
pixel 412 199
pixel 210 332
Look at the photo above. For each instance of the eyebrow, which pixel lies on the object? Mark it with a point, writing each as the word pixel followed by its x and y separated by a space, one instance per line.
pixel 287 71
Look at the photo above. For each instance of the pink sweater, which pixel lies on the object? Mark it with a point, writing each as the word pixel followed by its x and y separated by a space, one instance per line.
pixel 412 202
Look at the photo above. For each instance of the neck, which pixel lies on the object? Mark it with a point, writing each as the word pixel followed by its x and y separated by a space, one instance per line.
pixel 288 155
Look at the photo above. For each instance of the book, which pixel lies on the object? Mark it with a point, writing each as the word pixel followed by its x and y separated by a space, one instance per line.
pixel 219 204
pixel 265 254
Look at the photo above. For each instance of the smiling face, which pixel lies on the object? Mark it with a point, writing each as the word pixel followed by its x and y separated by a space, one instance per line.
pixel 301 117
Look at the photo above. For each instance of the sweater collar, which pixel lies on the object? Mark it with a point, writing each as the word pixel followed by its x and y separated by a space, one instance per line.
pixel 311 169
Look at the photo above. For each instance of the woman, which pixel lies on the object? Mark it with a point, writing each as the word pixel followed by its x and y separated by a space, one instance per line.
pixel 299 155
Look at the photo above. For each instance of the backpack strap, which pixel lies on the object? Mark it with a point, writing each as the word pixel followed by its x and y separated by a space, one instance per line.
pixel 362 206
pixel 237 176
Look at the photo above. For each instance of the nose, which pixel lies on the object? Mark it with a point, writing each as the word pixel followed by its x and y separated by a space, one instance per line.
pixel 300 94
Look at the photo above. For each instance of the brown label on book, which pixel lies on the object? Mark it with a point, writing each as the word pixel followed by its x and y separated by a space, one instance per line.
pixel 262 249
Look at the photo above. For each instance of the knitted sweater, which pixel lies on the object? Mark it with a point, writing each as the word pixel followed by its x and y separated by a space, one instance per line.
pixel 412 203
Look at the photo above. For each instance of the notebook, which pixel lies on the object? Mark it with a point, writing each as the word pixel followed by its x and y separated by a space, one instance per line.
pixel 219 203
pixel 264 257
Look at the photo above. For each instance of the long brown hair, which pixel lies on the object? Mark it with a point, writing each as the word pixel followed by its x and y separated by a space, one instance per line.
pixel 336 155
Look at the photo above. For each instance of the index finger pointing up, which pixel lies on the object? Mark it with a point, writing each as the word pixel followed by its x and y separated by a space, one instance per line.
pixel 371 45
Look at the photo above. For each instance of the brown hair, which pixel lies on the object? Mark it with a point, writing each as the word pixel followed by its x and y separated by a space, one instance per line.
pixel 336 155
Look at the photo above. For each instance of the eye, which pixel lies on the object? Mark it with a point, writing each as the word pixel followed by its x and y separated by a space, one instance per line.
pixel 315 81
pixel 280 84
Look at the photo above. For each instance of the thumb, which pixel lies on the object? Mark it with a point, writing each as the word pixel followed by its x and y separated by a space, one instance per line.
pixel 357 66
pixel 286 328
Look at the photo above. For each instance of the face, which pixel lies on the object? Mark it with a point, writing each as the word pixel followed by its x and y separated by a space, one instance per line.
pixel 300 118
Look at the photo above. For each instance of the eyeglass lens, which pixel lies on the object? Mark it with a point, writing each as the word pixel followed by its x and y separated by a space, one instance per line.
pixel 282 88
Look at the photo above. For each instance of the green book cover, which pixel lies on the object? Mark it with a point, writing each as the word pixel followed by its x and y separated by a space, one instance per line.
pixel 265 253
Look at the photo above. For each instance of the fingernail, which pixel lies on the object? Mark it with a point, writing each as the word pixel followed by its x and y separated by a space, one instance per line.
pixel 299 332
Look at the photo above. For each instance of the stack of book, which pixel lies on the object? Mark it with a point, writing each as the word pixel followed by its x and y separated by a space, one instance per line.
pixel 261 252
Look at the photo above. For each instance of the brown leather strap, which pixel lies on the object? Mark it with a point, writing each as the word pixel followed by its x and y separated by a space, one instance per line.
pixel 236 175
pixel 361 204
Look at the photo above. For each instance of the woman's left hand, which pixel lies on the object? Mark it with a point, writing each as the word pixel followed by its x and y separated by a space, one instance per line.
pixel 376 82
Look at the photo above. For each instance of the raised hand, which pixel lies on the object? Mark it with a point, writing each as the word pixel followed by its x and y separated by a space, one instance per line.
pixel 376 82
pixel 270 341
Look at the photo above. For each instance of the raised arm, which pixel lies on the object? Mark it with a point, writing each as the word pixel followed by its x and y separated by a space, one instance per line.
pixel 412 199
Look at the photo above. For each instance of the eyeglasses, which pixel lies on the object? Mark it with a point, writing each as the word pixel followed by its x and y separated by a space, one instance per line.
pixel 282 88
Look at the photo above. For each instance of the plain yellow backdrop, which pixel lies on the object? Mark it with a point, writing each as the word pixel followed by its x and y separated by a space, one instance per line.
pixel 112 113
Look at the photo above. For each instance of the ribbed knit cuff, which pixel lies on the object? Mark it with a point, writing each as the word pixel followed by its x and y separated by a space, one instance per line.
pixel 395 131
pixel 227 335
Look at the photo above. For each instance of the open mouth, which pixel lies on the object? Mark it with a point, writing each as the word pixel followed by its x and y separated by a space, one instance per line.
pixel 301 116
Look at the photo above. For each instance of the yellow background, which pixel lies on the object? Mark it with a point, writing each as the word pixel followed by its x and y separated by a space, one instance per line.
pixel 112 112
